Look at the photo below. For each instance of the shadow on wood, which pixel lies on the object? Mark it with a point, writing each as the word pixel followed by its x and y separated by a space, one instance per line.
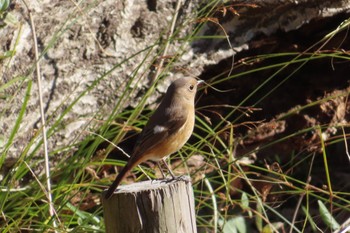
pixel 151 206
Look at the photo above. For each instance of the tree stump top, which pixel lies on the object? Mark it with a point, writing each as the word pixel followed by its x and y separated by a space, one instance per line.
pixel 151 206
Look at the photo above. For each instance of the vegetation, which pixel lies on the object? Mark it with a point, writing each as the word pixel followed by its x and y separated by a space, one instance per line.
pixel 235 191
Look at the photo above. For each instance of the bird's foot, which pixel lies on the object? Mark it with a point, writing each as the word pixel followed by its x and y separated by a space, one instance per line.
pixel 176 178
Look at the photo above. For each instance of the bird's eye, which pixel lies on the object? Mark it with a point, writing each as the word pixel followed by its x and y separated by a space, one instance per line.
pixel 191 87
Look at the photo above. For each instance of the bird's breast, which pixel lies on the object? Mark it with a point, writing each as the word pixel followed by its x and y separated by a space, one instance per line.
pixel 175 141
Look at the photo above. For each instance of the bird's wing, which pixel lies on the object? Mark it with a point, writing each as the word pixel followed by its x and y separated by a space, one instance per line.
pixel 151 135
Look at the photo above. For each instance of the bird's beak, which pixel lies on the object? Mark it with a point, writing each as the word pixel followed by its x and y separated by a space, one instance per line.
pixel 200 82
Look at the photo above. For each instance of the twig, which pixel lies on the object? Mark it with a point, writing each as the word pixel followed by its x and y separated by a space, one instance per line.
pixel 171 32
pixel 307 185
pixel 213 199
pixel 215 21
pixel 40 184
pixel 344 228
pixel 120 149
pixel 42 115
pixel 345 143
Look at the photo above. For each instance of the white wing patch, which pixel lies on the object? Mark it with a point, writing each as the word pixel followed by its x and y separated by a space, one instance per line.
pixel 158 129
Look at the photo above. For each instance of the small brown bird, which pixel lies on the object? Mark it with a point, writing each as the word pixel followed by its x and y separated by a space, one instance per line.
pixel 167 130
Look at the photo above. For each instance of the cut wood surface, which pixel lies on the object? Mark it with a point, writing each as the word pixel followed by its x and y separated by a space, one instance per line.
pixel 151 206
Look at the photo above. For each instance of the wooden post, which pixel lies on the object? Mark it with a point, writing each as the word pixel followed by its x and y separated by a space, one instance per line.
pixel 151 206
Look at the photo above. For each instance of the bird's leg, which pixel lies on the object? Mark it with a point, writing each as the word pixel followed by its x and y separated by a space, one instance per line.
pixel 170 171
pixel 161 170
pixel 179 178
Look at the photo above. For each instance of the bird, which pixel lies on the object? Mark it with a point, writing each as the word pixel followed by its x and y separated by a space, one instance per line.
pixel 167 130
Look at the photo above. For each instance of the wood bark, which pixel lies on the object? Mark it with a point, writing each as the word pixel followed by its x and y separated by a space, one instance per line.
pixel 151 206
